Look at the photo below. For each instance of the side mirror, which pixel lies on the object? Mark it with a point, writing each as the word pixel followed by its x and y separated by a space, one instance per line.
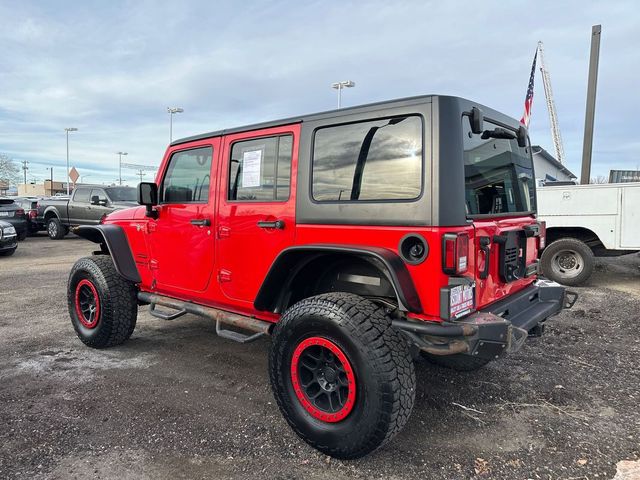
pixel 95 200
pixel 521 135
pixel 477 120
pixel 148 196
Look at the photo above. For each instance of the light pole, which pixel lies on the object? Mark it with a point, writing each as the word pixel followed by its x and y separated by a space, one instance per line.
pixel 171 111
pixel 339 86
pixel 69 129
pixel 51 186
pixel 120 164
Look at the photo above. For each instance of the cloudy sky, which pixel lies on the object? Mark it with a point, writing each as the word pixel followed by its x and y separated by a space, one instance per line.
pixel 112 68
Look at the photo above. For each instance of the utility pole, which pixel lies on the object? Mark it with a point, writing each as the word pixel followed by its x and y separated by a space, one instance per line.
pixel 141 174
pixel 589 120
pixel 25 168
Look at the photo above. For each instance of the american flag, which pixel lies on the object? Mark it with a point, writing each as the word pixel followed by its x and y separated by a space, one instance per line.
pixel 528 101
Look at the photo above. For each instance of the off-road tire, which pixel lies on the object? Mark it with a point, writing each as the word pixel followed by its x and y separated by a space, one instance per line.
pixel 582 252
pixel 8 253
pixel 117 297
pixel 55 229
pixel 459 362
pixel 382 366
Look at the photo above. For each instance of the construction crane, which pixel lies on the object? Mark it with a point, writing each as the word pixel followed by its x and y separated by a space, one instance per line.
pixel 141 168
pixel 551 107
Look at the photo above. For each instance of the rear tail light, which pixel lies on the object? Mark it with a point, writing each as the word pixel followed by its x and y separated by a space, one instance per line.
pixel 33 213
pixel 20 211
pixel 455 253
pixel 542 235
pixel 103 218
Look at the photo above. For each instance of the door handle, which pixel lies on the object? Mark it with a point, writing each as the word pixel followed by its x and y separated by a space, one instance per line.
pixel 201 222
pixel 485 246
pixel 279 224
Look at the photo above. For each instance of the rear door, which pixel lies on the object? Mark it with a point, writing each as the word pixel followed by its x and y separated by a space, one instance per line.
pixel 256 210
pixel 79 206
pixel 500 199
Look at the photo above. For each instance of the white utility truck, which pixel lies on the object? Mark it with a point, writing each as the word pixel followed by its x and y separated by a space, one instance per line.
pixel 584 221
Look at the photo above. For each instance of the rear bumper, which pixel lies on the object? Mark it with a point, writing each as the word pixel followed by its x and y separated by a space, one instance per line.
pixel 500 328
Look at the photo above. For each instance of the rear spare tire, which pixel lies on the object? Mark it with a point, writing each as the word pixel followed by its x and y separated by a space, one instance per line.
pixel 568 261
pixel 343 378
pixel 102 304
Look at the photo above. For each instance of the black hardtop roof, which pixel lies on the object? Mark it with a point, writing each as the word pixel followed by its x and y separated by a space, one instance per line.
pixel 309 117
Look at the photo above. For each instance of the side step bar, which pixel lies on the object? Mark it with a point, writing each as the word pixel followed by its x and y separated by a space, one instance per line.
pixel 259 328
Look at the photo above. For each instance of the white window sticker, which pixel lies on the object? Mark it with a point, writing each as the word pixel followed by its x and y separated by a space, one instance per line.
pixel 251 167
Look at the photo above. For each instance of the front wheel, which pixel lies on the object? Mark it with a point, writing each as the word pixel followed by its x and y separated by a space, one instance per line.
pixel 342 377
pixel 102 304
pixel 568 261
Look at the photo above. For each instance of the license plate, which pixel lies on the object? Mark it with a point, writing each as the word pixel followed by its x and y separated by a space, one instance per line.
pixel 4 214
pixel 461 300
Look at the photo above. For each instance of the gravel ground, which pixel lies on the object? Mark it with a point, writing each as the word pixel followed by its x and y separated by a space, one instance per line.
pixel 178 402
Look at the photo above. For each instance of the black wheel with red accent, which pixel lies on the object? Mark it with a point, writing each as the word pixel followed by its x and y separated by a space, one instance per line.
pixel 341 375
pixel 102 304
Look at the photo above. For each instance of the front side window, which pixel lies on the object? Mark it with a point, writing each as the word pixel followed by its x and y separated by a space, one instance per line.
pixel 98 196
pixel 373 160
pixel 260 169
pixel 498 173
pixel 188 177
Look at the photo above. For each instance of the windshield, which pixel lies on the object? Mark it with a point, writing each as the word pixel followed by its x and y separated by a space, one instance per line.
pixel 498 174
pixel 122 194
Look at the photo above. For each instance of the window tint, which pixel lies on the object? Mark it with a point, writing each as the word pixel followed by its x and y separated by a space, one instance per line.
pixel 98 192
pixel 498 173
pixel 375 160
pixel 81 195
pixel 260 169
pixel 122 194
pixel 188 176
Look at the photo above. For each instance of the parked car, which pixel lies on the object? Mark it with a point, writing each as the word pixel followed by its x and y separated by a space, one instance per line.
pixel 587 221
pixel 13 213
pixel 353 237
pixel 88 205
pixel 8 239
pixel 30 206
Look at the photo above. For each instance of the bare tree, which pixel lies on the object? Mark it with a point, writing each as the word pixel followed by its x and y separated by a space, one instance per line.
pixel 9 170
pixel 599 179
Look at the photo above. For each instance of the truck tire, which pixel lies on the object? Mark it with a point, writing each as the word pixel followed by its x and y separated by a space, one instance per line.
pixel 102 304
pixel 343 378
pixel 459 362
pixel 568 261
pixel 55 229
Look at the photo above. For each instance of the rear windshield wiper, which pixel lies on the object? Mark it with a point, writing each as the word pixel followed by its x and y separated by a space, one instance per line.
pixel 498 133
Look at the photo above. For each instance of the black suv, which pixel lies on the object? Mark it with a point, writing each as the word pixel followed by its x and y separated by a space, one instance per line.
pixel 13 213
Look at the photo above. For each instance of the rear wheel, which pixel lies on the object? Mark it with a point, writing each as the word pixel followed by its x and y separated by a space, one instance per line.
pixel 102 304
pixel 568 261
pixel 55 229
pixel 342 377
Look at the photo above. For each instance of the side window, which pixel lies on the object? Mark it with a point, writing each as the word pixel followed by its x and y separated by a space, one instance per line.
pixel 188 176
pixel 81 195
pixel 372 160
pixel 260 169
pixel 99 193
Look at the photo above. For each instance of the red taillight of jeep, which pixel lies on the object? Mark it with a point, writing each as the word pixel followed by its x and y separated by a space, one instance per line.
pixel 455 253
pixel 542 235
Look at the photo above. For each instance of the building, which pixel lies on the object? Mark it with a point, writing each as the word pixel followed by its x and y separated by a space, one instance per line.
pixel 46 189
pixel 4 187
pixel 624 176
pixel 548 168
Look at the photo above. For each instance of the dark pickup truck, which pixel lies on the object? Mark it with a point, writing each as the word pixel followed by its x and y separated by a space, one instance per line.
pixel 88 205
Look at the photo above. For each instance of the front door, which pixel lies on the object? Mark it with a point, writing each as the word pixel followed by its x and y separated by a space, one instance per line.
pixel 256 210
pixel 181 238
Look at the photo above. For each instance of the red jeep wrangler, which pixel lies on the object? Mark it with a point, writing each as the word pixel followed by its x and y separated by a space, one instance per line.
pixel 356 238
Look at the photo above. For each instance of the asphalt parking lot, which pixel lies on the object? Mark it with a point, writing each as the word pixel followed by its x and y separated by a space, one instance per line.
pixel 176 401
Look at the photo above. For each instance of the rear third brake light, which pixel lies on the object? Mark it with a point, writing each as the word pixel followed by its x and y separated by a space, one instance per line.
pixel 455 253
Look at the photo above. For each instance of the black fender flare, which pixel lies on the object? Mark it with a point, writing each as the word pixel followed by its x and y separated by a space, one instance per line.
pixel 114 241
pixel 291 260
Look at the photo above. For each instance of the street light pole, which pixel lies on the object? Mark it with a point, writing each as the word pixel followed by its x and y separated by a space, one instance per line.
pixel 120 164
pixel 339 86
pixel 70 129
pixel 172 111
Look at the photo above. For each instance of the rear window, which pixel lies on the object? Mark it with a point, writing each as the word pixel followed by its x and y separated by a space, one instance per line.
pixel 498 174
pixel 81 195
pixel 122 194
pixel 372 160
